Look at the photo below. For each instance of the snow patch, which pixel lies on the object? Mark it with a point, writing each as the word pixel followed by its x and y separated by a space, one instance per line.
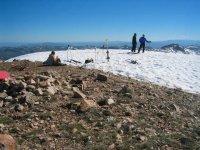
pixel 174 70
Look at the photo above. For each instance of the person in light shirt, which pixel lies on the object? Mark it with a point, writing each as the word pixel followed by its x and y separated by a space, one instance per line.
pixel 53 60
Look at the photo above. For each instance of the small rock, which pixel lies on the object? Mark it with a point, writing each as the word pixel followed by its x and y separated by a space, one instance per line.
pixel 110 101
pixel 119 125
pixel 28 98
pixel 142 138
pixel 22 85
pixel 175 107
pixel 52 126
pixel 104 101
pixel 84 85
pixel 87 104
pixel 111 147
pixel 30 88
pixel 125 89
pixel 78 93
pixel 76 81
pixel 3 95
pixel 38 92
pixel 65 83
pixel 74 130
pixel 19 107
pixel 42 77
pixel 31 82
pixel 51 90
pixel 8 99
pixel 44 84
pixel 119 139
pixel 1 104
pixel 111 119
pixel 1 126
pixel 57 82
pixel 102 77
pixel 129 95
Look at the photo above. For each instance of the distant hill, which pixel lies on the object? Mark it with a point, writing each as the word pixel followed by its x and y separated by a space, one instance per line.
pixel 173 48
pixel 177 48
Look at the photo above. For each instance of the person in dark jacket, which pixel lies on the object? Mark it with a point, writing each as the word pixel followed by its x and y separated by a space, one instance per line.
pixel 142 43
pixel 134 43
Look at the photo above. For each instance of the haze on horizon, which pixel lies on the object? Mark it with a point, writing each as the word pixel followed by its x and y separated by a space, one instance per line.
pixel 84 21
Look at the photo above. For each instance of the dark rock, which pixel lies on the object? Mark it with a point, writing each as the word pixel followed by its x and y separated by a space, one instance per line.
pixel 102 77
pixel 30 88
pixel 22 85
pixel 175 107
pixel 19 107
pixel 38 92
pixel 128 95
pixel 28 98
pixel 125 90
pixel 104 101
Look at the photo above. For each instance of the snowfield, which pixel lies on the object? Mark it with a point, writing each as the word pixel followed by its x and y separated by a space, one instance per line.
pixel 174 70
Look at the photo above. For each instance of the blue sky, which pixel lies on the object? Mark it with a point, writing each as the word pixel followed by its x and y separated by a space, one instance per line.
pixel 97 20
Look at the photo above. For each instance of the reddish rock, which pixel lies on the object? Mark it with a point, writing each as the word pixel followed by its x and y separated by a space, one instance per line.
pixel 87 104
pixel 7 142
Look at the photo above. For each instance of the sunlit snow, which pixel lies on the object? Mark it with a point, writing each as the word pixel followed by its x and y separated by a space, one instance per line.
pixel 174 70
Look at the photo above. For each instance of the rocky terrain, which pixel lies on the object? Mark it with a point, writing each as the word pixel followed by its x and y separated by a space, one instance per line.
pixel 72 108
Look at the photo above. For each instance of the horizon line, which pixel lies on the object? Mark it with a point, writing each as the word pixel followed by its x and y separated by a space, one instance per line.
pixel 95 41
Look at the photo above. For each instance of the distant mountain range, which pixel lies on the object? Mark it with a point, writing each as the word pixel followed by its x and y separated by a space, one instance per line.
pixel 165 46
pixel 154 44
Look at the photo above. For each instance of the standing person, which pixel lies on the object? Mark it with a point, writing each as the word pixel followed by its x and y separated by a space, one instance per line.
pixel 134 43
pixel 142 43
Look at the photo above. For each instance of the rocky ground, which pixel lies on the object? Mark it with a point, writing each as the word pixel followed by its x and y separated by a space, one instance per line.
pixel 72 108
